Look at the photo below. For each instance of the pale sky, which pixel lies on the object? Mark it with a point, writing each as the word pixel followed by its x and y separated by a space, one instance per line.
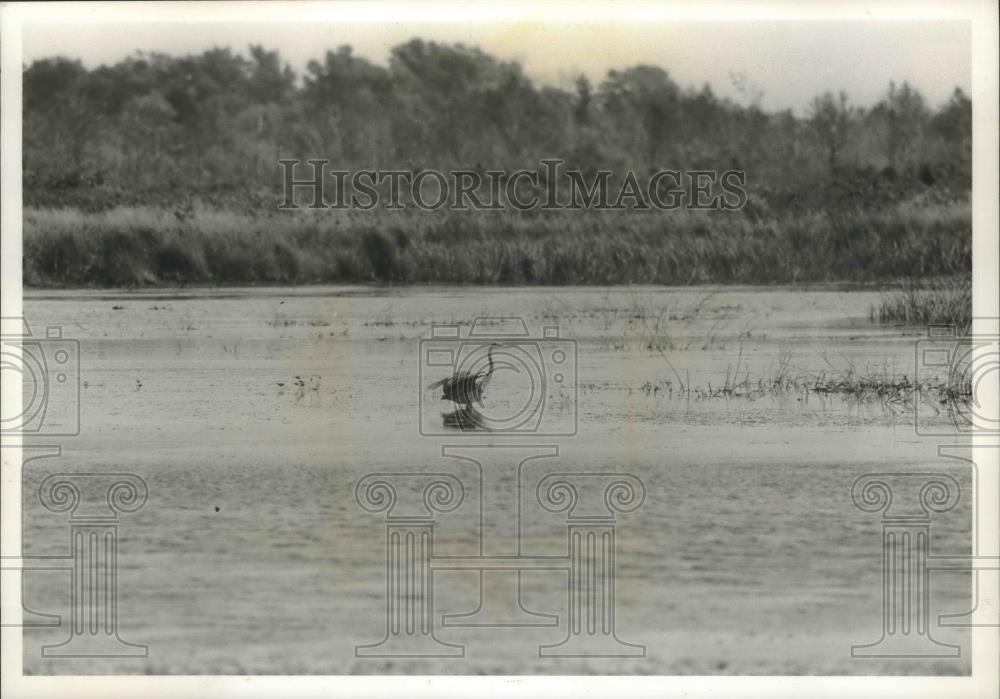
pixel 790 61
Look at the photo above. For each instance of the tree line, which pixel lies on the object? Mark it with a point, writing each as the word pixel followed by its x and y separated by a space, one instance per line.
pixel 161 128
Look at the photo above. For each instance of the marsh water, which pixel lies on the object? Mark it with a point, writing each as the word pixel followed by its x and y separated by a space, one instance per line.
pixel 252 414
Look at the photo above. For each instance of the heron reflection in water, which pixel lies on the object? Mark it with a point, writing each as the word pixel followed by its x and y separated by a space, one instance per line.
pixel 466 388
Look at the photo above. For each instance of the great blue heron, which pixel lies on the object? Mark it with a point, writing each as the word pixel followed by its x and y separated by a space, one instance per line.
pixel 466 387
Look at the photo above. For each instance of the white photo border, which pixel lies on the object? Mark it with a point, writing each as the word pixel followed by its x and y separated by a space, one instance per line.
pixel 983 16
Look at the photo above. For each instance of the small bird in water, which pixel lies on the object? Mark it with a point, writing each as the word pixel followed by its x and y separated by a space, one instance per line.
pixel 300 387
pixel 467 387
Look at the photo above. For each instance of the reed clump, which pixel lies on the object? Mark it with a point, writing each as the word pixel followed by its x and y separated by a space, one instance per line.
pixel 921 303
pixel 899 391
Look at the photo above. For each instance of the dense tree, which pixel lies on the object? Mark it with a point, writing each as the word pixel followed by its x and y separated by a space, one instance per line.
pixel 830 120
pixel 181 126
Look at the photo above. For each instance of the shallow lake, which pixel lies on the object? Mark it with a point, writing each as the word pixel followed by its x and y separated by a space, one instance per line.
pixel 252 414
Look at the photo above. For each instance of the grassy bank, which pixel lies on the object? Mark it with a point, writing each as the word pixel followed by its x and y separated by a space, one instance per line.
pixel 139 246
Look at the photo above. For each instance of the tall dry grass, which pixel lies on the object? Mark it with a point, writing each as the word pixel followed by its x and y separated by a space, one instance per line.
pixel 139 246
pixel 928 302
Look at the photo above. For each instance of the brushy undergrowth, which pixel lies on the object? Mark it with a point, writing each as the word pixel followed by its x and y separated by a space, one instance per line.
pixel 140 246
pixel 931 302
